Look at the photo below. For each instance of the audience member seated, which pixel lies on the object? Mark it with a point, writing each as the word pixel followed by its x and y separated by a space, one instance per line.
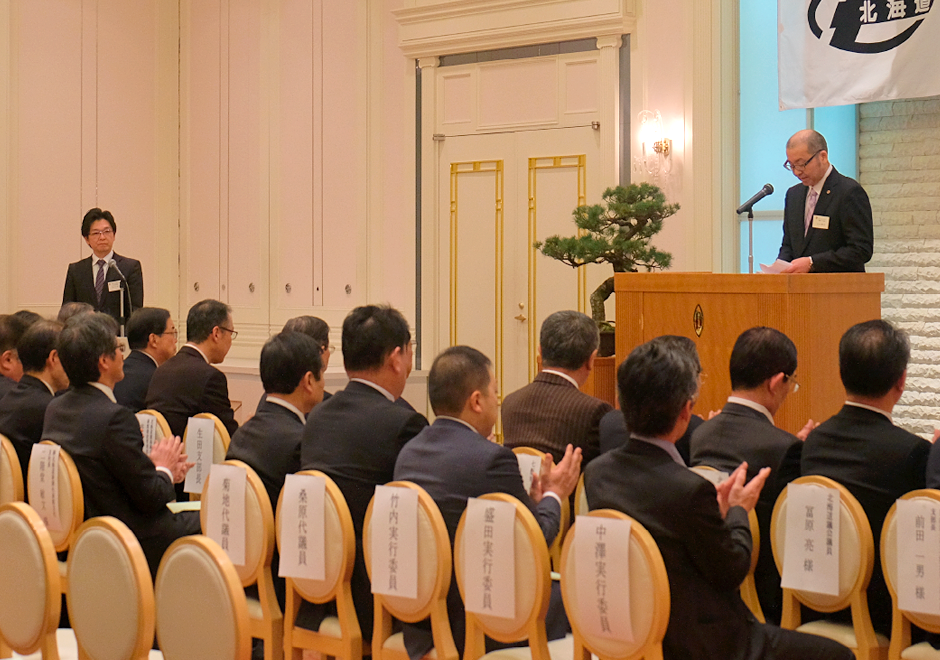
pixel 703 535
pixel 28 317
pixel 763 362
pixel 70 309
pixel 12 328
pixel 23 409
pixel 861 448
pixel 613 429
pixel 103 438
pixel 453 460
pixel 356 435
pixel 552 412
pixel 151 335
pixel 318 330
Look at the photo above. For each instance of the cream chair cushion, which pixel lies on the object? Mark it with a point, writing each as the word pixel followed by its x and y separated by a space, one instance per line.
pixel 7 491
pixel 840 632
pixel 560 649
pixel 319 590
pixel 67 646
pixel 581 504
pixel 254 537
pixel 22 583
pixel 427 568
pixel 922 651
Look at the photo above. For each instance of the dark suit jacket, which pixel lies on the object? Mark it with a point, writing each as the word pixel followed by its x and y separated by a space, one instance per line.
pixel 550 413
pixel 877 462
pixel 613 433
pixel 21 415
pixel 186 385
pixel 118 479
pixel 80 286
pixel 355 438
pixel 453 463
pixel 740 434
pixel 6 385
pixel 132 391
pixel 706 557
pixel 846 246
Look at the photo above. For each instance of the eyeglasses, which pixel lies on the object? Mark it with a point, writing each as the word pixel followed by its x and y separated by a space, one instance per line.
pixel 100 232
pixel 234 332
pixel 799 167
pixel 173 332
pixel 793 382
pixel 327 348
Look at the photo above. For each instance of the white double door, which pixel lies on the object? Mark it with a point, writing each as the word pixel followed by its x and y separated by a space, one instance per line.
pixel 499 193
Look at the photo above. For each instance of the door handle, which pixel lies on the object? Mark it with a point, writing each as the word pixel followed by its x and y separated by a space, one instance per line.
pixel 521 317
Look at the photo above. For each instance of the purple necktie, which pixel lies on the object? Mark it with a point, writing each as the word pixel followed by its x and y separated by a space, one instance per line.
pixel 810 207
pixel 99 280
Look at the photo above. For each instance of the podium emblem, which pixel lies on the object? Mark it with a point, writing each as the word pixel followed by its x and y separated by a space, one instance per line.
pixel 698 320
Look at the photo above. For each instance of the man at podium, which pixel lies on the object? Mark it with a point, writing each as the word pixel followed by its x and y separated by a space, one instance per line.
pixel 827 221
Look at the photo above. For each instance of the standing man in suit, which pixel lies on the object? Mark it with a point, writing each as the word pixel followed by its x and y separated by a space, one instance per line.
pixel 861 448
pixel 827 222
pixel 104 440
pixel 701 530
pixel 94 281
pixel 12 328
pixel 151 335
pixel 22 410
pixel 763 362
pixel 552 412
pixel 453 461
pixel 356 435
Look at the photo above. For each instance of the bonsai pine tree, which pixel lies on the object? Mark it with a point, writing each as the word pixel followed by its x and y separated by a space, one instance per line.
pixel 617 232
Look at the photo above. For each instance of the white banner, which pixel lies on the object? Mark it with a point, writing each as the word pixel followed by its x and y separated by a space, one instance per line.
pixel 602 568
pixel 918 553
pixel 200 439
pixel 839 52
pixel 395 542
pixel 811 551
pixel 149 430
pixel 303 549
pixel 43 487
pixel 529 465
pixel 489 546
pixel 225 522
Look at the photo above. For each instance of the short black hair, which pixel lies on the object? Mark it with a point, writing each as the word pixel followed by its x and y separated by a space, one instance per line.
pixel 285 360
pixel 654 383
pixel 204 317
pixel 567 339
pixel 872 358
pixel 145 322
pixel 455 374
pixel 37 343
pixel 28 316
pixel 370 334
pixel 758 354
pixel 82 342
pixel 12 328
pixel 311 326
pixel 72 309
pixel 93 216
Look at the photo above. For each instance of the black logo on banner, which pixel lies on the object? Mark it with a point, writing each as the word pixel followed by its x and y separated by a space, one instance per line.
pixel 852 16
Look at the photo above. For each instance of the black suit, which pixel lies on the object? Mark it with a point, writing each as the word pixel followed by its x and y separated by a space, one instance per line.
pixel 877 462
pixel 846 246
pixel 741 434
pixel 21 416
pixel 118 479
pixel 355 438
pixel 706 557
pixel 131 392
pixel 453 463
pixel 6 385
pixel 80 286
pixel 613 433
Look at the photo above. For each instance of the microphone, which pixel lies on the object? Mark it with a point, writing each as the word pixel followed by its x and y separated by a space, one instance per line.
pixel 127 289
pixel 113 263
pixel 761 194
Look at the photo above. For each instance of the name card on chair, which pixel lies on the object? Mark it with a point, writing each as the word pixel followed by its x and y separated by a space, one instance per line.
pixel 529 465
pixel 43 487
pixel 811 551
pixel 918 553
pixel 200 440
pixel 602 562
pixel 395 542
pixel 149 430
pixel 225 519
pixel 302 546
pixel 489 547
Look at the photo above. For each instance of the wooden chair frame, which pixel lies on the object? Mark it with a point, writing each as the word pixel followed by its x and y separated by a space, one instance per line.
pixel 554 551
pixel 866 641
pixel 16 471
pixel 749 587
pixel 652 647
pixel 146 609
pixel 270 627
pixel 436 606
pixel 579 498
pixel 220 438
pixel 532 627
pixel 349 645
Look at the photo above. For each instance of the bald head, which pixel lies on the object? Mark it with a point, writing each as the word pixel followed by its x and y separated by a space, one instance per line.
pixel 812 140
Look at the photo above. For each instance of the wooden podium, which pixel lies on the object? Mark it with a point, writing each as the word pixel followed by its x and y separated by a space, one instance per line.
pixel 813 310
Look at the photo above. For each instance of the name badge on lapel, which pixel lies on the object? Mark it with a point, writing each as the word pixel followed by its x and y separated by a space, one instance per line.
pixel 820 222
pixel 115 285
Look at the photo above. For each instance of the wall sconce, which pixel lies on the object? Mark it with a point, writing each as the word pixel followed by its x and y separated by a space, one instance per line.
pixel 655 149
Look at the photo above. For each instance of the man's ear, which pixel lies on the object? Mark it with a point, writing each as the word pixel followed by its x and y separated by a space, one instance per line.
pixel 152 340
pixel 473 402
pixel 902 381
pixel 774 382
pixel 590 361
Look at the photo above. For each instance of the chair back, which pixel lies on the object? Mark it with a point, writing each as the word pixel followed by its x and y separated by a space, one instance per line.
pixel 71 500
pixel 110 600
pixel 749 587
pixel 580 498
pixel 714 475
pixel 434 573
pixel 30 596
pixel 162 425
pixel 532 588
pixel 648 593
pixel 201 607
pixel 11 473
pixel 554 551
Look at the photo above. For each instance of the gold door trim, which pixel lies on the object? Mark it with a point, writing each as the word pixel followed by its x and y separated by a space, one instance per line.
pixel 546 163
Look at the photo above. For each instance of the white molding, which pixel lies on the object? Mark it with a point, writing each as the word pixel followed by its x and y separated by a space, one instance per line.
pixel 466 26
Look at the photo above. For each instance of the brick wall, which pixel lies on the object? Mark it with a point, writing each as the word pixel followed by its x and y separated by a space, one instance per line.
pixel 899 166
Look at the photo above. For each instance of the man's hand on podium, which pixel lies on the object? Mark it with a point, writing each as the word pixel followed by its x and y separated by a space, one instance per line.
pixel 801 265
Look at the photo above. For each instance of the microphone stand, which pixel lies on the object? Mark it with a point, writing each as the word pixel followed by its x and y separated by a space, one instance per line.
pixel 750 240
